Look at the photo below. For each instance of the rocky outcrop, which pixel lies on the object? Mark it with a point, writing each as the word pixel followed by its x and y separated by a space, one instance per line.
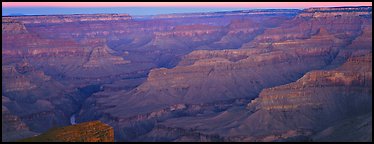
pixel 94 131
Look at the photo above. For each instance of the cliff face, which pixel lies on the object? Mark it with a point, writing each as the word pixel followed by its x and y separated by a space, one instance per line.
pixel 94 131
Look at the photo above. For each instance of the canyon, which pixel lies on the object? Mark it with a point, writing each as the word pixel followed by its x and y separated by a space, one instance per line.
pixel 251 75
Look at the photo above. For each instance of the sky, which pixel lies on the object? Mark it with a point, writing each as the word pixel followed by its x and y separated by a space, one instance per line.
pixel 153 8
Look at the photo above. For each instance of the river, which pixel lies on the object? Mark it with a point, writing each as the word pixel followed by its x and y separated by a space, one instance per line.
pixel 72 120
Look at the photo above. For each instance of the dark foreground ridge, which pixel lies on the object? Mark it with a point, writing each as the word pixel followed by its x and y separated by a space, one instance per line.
pixel 93 131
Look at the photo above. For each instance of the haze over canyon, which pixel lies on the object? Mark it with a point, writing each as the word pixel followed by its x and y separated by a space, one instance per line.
pixel 247 75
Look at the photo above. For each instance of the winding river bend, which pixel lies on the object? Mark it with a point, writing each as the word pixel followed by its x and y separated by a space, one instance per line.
pixel 84 93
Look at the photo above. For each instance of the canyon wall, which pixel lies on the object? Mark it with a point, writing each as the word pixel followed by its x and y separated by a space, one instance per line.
pixel 189 77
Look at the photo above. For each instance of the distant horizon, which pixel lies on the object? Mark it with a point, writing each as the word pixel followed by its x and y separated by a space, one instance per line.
pixel 154 8
pixel 134 11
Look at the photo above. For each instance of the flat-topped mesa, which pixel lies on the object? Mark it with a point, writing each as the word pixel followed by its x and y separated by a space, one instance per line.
pixel 336 11
pixel 68 18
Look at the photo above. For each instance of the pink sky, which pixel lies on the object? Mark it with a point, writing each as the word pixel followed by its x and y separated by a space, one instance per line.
pixel 187 4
